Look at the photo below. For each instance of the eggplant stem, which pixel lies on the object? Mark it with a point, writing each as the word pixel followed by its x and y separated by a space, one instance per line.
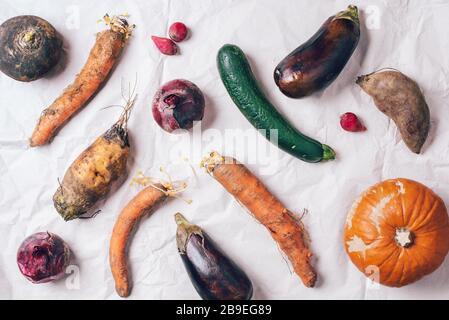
pixel 184 231
pixel 351 13
pixel 180 219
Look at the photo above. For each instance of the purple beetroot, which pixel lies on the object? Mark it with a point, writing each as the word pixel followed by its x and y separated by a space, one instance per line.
pixel 177 104
pixel 43 257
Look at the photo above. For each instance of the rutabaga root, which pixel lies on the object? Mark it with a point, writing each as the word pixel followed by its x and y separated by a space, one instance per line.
pixel 102 58
pixel 91 176
pixel 252 194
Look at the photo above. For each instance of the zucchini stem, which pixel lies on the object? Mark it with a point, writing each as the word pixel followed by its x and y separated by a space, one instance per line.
pixel 328 153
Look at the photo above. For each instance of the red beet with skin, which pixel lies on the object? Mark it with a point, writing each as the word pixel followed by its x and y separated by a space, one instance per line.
pixel 177 104
pixel 177 31
pixel 165 45
pixel 350 122
pixel 43 257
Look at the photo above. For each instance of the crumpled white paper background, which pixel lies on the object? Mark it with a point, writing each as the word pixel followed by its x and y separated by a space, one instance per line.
pixel 408 35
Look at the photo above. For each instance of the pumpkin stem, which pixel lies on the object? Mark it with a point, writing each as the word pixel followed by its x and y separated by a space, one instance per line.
pixel 404 237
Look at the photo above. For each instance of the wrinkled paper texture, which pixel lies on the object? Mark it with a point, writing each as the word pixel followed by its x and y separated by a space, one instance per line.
pixel 408 35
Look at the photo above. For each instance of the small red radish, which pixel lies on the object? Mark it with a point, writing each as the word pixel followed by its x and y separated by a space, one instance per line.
pixel 177 31
pixel 165 45
pixel 350 122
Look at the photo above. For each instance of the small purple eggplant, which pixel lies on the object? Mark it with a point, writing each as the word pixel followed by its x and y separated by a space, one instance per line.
pixel 213 274
pixel 177 104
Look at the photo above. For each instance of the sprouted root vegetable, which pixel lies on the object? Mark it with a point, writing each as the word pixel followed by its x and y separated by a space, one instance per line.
pixel 91 176
pixel 141 205
pixel 289 234
pixel 102 58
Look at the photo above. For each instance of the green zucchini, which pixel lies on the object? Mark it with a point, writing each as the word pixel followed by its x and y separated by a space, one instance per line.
pixel 237 77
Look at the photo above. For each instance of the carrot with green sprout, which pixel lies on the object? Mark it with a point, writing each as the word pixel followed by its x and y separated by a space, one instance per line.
pixel 285 229
pixel 102 58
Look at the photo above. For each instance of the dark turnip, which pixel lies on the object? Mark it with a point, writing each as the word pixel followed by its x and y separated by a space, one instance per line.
pixel 43 257
pixel 177 104
pixel 29 47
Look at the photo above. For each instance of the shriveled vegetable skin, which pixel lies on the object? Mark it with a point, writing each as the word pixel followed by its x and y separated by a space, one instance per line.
pixel 213 274
pixel 400 98
pixel 316 64
pixel 29 47
pixel 91 175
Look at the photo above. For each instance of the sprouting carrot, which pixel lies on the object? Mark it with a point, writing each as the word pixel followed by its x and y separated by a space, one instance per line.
pixel 250 192
pixel 102 58
pixel 141 205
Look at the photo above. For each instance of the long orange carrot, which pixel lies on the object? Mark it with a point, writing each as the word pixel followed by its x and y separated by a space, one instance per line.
pixel 251 193
pixel 102 58
pixel 141 205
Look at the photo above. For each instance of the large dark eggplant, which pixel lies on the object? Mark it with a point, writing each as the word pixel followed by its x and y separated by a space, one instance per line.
pixel 213 274
pixel 315 64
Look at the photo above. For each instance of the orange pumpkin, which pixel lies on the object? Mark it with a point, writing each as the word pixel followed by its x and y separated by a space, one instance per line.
pixel 397 232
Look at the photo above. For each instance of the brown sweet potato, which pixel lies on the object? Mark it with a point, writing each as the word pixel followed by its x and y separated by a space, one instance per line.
pixel 400 98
